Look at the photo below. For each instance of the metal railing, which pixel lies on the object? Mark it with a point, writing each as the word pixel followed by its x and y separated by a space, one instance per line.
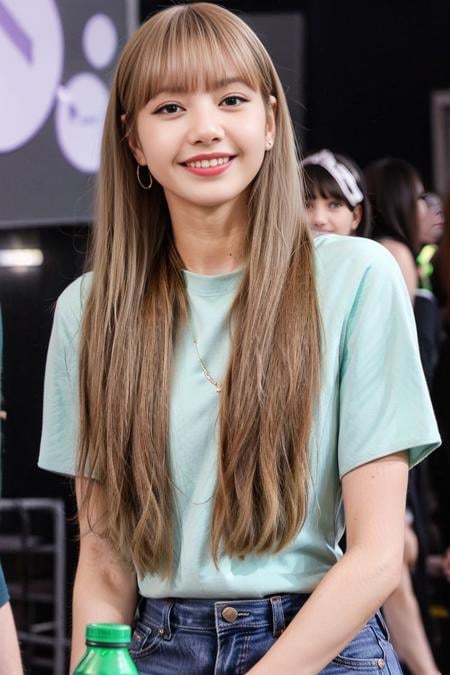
pixel 25 544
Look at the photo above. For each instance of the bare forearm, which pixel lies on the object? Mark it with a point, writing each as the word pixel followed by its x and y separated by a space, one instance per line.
pixel 405 624
pixel 105 584
pixel 97 600
pixel 338 608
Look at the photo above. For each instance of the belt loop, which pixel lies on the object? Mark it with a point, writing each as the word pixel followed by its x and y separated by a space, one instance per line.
pixel 277 615
pixel 382 624
pixel 166 619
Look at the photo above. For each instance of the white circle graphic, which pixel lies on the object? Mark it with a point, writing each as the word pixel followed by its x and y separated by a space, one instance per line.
pixel 79 118
pixel 31 54
pixel 99 40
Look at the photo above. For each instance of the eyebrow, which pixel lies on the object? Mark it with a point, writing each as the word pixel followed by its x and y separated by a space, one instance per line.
pixel 218 84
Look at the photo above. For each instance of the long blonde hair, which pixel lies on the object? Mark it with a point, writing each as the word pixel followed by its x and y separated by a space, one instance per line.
pixel 138 303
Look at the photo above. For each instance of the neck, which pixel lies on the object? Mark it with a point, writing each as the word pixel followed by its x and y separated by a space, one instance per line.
pixel 210 240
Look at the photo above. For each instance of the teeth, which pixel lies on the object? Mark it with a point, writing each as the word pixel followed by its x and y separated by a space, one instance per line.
pixel 206 163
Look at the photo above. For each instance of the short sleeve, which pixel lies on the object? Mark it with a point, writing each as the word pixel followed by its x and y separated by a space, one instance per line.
pixel 384 404
pixel 60 411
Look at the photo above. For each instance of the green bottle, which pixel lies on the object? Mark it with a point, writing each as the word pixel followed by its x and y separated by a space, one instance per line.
pixel 107 651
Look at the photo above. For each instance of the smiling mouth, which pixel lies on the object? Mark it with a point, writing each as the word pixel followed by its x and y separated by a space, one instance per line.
pixel 209 163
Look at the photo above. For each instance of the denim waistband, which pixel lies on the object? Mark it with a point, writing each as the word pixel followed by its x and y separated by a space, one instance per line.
pixel 169 614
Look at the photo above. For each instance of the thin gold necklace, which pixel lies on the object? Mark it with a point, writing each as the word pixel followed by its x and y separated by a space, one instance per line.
pixel 206 373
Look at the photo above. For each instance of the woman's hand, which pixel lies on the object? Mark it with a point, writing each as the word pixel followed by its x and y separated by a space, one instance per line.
pixel 105 585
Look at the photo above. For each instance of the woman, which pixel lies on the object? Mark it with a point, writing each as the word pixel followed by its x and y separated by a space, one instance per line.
pixel 230 402
pixel 336 195
pixel 401 217
pixel 400 213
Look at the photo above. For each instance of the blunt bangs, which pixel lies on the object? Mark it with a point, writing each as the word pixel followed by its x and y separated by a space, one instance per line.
pixel 319 183
pixel 187 49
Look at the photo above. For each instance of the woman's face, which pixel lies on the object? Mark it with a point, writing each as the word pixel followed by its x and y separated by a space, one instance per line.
pixel 332 215
pixel 423 215
pixel 431 222
pixel 205 147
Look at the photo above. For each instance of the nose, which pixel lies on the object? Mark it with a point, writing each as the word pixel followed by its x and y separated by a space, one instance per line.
pixel 205 127
pixel 318 217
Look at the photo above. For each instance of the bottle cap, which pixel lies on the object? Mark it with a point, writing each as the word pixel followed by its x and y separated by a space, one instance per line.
pixel 108 633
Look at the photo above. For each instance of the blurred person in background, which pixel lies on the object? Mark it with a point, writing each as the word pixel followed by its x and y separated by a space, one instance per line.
pixel 433 263
pixel 402 222
pixel 440 468
pixel 437 274
pixel 431 230
pixel 400 213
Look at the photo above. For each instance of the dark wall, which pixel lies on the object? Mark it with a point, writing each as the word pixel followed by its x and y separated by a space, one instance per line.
pixel 27 298
pixel 370 68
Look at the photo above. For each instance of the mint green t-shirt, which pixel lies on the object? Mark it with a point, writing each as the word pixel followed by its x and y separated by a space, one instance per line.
pixel 373 402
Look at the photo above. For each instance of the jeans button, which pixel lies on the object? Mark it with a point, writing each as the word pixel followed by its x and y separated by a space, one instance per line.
pixel 230 614
pixel 380 663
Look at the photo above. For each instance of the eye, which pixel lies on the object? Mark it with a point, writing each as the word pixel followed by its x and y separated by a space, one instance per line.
pixel 334 204
pixel 168 109
pixel 233 101
pixel 308 205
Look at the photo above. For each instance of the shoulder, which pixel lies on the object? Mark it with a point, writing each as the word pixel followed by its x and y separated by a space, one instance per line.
pixel 405 261
pixel 399 250
pixel 69 306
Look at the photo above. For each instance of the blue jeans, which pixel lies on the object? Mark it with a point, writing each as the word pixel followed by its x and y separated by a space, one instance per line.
pixel 208 637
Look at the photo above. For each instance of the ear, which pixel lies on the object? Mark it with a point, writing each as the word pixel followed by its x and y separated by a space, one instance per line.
pixel 270 120
pixel 357 216
pixel 133 143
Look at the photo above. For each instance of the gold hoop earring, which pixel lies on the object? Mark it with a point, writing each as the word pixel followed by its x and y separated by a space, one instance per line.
pixel 144 187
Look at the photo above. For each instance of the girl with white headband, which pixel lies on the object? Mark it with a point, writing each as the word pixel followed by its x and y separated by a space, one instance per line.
pixel 221 386
pixel 336 198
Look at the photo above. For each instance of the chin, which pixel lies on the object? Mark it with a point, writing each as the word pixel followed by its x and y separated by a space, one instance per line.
pixel 209 201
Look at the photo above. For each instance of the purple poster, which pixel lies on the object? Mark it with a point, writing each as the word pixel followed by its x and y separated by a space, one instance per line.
pixel 56 61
